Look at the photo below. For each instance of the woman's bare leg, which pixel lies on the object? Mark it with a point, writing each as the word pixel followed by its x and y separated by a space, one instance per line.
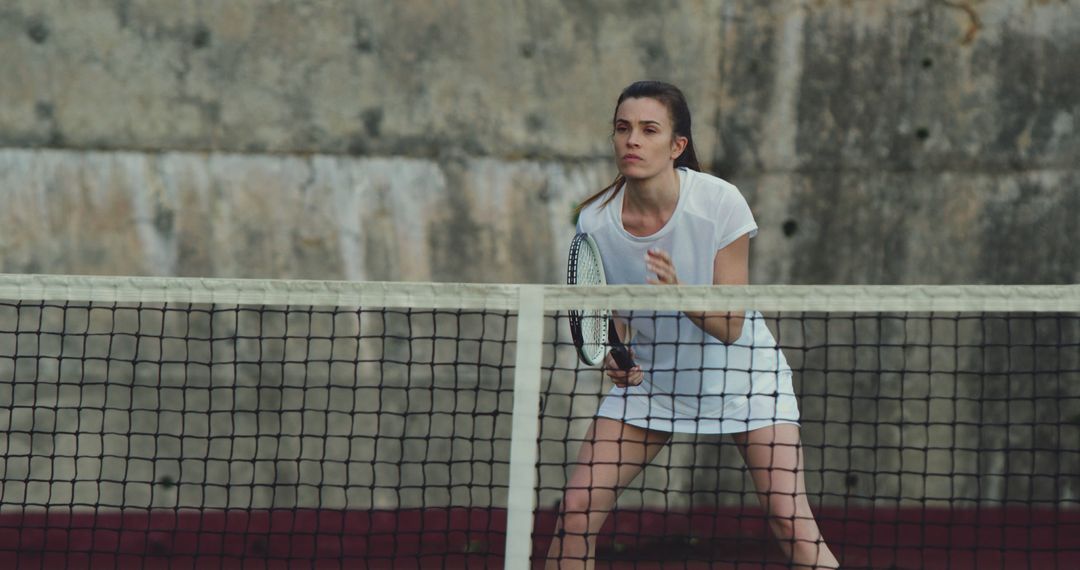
pixel 775 459
pixel 611 456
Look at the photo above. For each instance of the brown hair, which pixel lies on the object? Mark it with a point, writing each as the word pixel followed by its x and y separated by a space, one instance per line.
pixel 672 98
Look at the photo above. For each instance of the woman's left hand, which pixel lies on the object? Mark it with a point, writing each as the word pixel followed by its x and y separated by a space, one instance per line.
pixel 658 262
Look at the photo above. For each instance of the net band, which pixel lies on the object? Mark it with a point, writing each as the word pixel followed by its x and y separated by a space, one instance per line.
pixel 826 298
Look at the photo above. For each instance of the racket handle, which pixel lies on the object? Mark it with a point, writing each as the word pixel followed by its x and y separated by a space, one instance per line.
pixel 619 352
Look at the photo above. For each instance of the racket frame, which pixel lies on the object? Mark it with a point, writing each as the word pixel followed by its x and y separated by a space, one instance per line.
pixel 605 323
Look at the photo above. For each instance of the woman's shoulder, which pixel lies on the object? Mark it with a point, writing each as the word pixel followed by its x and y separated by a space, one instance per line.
pixel 592 217
pixel 708 192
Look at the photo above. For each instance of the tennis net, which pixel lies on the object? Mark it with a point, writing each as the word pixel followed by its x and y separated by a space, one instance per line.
pixel 203 422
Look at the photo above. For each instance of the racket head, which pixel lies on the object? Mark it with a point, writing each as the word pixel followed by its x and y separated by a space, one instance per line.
pixel 589 328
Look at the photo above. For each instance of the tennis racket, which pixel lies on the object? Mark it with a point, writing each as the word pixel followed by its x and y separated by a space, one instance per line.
pixel 593 331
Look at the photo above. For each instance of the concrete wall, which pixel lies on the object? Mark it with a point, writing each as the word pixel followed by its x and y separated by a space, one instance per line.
pixel 895 141
pixel 258 407
pixel 878 142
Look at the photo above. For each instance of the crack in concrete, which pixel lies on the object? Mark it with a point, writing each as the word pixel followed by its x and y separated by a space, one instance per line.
pixel 974 23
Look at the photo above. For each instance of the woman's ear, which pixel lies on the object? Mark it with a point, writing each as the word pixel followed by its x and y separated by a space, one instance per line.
pixel 678 145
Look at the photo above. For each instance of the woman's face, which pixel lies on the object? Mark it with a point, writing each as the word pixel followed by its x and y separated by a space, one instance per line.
pixel 643 142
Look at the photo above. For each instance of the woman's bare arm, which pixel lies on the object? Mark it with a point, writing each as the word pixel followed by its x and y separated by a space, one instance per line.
pixel 731 266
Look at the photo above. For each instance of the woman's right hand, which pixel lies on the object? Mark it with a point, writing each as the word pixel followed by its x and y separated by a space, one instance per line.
pixel 619 377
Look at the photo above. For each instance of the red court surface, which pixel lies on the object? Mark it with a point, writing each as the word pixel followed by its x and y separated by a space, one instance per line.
pixel 1005 538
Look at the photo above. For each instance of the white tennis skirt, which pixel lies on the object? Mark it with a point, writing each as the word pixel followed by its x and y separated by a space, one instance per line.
pixel 748 401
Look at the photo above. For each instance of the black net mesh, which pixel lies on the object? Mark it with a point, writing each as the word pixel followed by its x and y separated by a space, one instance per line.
pixel 209 435
pixel 945 440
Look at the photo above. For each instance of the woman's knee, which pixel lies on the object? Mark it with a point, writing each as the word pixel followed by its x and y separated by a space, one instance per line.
pixel 783 526
pixel 790 517
pixel 580 510
pixel 575 524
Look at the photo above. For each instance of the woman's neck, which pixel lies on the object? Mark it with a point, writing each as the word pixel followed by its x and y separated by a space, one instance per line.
pixel 649 204
pixel 652 196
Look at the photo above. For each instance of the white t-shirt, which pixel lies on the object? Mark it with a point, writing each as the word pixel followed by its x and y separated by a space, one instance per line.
pixel 693 382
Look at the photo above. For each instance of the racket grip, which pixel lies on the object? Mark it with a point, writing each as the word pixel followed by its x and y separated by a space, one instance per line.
pixel 619 352
pixel 622 357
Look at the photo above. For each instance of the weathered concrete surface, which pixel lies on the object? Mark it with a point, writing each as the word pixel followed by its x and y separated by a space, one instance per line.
pixel 902 85
pixel 317 217
pixel 847 117
pixel 487 220
pixel 420 78
pixel 889 227
pixel 136 406
pixel 140 405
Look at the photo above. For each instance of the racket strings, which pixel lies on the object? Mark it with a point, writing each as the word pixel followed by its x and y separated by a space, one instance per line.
pixel 587 268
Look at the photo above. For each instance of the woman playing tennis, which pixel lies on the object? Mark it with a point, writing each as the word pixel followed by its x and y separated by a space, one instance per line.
pixel 664 222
